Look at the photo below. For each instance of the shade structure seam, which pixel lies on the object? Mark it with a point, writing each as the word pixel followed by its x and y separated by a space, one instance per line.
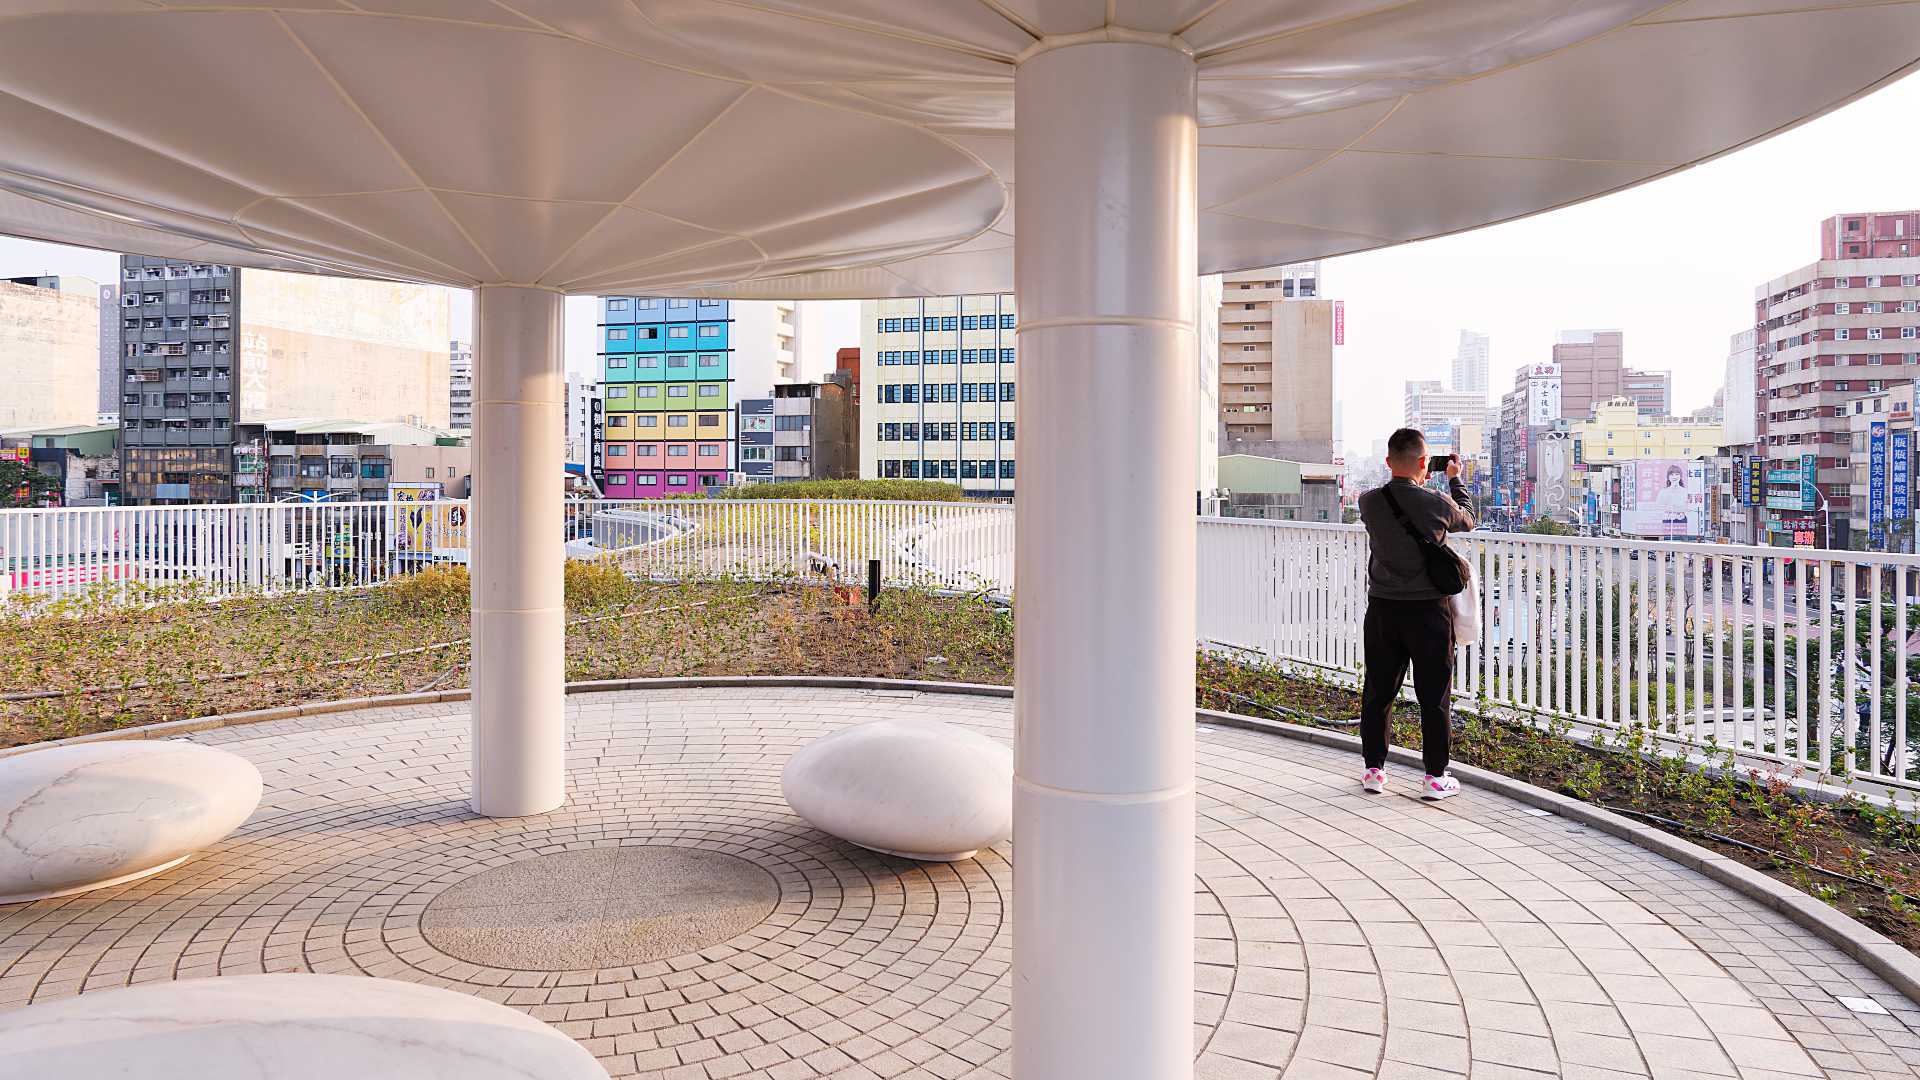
pixel 1110 798
pixel 650 178
pixel 366 118
pixel 1064 321
pixel 1106 35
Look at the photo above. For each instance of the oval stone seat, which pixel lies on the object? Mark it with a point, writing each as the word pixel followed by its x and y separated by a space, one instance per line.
pixel 919 789
pixel 285 1027
pixel 83 817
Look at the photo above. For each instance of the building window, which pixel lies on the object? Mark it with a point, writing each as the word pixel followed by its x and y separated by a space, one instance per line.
pixel 677 451
pixel 647 479
pixel 616 449
pixel 709 420
pixel 1907 331
pixel 677 420
pixel 647 450
pixel 647 421
pixel 1006 391
pixel 615 363
pixel 1842 308
pixel 680 361
pixel 616 335
pixel 678 390
pixel 709 331
pixel 1842 335
pixel 709 451
pixel 429 472
pixel 1006 322
pixel 678 332
pixel 618 479
pixel 651 392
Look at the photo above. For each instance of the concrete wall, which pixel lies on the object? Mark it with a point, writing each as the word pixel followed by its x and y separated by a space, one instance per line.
pixel 49 357
pixel 1303 372
pixel 336 347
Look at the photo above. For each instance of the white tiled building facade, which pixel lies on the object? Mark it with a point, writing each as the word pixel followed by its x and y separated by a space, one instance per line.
pixel 936 391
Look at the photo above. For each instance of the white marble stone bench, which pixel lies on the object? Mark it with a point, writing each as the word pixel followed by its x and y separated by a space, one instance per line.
pixel 285 1027
pixel 74 818
pixel 919 789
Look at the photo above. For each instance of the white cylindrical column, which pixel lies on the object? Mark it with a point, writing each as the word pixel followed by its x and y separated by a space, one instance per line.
pixel 519 614
pixel 1105 149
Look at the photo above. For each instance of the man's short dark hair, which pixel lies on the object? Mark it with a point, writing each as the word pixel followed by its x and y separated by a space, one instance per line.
pixel 1406 443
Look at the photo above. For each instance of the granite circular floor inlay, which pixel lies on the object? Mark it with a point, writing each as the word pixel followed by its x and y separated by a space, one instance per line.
pixel 607 907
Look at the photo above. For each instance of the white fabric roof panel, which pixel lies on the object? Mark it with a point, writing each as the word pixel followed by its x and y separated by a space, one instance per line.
pixel 820 148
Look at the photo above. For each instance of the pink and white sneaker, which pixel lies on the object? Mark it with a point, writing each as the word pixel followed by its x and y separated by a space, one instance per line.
pixel 1373 781
pixel 1439 787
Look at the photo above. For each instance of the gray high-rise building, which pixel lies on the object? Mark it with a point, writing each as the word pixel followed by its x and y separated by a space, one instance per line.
pixel 1471 364
pixel 178 395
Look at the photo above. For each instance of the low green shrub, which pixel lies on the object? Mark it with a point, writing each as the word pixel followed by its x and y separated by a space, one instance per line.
pixel 441 589
pixel 597 585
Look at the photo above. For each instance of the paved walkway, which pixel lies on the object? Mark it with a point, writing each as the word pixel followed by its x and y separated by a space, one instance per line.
pixel 1339 935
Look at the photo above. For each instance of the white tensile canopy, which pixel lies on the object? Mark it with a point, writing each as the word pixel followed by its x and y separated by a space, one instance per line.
pixel 860 148
pixel 801 148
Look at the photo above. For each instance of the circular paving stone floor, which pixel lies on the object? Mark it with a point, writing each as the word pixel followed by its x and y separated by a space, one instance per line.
pixel 599 908
pixel 1338 935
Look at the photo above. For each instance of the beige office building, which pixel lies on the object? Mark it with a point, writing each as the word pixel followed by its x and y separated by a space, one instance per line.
pixel 49 353
pixel 1276 363
pixel 937 391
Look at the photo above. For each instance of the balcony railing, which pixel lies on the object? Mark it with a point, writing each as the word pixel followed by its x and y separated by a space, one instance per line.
pixel 1795 657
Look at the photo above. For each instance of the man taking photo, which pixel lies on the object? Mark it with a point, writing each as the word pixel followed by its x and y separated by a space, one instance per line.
pixel 1409 613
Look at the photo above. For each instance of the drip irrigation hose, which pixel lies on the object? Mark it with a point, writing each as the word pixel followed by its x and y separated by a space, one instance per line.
pixel 1279 710
pixel 1671 825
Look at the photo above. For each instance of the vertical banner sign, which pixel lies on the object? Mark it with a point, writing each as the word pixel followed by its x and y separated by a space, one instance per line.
pixel 1339 322
pixel 1898 479
pixel 1739 479
pixel 1756 479
pixel 1876 481
pixel 1809 474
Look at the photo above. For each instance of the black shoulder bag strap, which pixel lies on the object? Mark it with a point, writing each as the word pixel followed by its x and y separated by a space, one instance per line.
pixel 1443 566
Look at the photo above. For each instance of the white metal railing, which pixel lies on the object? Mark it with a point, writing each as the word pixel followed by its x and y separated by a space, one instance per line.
pixel 271 548
pixel 1796 656
pixel 951 545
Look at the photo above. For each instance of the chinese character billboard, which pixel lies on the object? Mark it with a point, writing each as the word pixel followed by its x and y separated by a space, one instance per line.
pixel 1663 498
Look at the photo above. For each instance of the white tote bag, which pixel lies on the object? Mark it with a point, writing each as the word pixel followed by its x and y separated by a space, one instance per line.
pixel 1466 606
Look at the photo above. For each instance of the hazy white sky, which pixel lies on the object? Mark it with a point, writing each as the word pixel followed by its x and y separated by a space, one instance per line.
pixel 1672 263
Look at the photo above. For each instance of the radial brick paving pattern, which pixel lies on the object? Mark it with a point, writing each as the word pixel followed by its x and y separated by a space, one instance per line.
pixel 1339 935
